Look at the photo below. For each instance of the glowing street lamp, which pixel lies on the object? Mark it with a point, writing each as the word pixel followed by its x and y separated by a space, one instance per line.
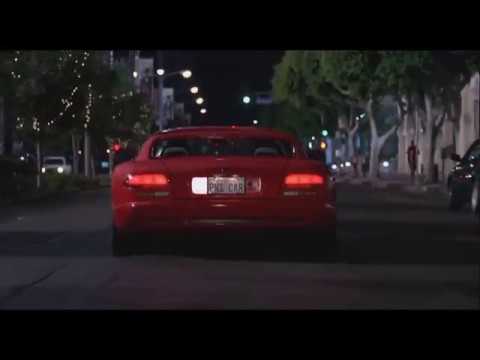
pixel 199 101
pixel 187 74
pixel 255 122
pixel 246 99
pixel 135 74
pixel 160 72
pixel 194 90
pixel 203 111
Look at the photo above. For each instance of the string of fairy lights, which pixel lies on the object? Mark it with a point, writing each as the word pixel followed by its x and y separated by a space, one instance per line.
pixel 78 61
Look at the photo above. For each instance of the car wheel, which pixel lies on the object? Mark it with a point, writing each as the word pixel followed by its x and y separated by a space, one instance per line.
pixel 474 202
pixel 121 243
pixel 454 204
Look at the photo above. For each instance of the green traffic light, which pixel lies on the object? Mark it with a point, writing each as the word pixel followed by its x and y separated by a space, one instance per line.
pixel 324 133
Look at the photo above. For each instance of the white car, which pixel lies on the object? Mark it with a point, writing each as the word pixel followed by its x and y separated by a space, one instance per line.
pixel 56 164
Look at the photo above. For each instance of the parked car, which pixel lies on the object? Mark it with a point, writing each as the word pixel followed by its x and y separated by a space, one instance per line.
pixel 463 181
pixel 56 165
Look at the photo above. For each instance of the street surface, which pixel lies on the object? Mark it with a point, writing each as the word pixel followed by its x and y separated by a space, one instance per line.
pixel 398 250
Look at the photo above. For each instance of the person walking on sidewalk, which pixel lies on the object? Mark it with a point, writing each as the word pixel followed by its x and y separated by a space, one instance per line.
pixel 412 160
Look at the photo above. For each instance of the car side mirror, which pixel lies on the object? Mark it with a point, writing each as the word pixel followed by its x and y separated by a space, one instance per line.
pixel 455 157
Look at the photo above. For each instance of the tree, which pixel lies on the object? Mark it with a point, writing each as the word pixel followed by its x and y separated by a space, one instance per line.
pixel 298 83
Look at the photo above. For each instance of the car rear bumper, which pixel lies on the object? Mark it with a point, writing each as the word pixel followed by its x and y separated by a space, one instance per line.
pixel 195 215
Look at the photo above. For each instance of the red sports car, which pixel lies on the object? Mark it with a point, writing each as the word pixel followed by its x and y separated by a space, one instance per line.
pixel 220 178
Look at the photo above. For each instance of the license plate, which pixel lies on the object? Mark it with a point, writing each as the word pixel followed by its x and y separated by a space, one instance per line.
pixel 226 185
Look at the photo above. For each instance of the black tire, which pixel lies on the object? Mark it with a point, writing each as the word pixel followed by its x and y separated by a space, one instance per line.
pixel 454 203
pixel 475 198
pixel 121 243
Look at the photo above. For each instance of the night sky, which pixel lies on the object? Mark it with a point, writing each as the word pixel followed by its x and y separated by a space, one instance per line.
pixel 223 77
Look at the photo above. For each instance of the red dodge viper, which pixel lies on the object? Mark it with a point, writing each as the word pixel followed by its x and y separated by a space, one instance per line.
pixel 228 178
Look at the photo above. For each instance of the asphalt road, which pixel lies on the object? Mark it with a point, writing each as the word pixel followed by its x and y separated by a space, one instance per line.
pixel 397 251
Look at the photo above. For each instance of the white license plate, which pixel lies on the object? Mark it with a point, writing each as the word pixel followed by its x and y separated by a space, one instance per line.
pixel 226 185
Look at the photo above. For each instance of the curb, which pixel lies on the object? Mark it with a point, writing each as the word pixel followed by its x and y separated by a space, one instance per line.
pixel 382 185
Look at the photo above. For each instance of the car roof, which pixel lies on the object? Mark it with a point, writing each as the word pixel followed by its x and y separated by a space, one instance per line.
pixel 54 157
pixel 224 130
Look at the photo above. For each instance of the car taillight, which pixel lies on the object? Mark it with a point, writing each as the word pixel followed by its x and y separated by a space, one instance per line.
pixel 299 181
pixel 147 181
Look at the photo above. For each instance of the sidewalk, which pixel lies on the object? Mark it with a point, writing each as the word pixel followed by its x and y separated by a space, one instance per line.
pixel 393 181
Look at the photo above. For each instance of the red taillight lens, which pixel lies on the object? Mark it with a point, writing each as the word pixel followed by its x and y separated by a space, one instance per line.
pixel 304 180
pixel 147 181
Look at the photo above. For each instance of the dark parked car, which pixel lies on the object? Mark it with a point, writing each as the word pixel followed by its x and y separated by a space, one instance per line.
pixel 464 179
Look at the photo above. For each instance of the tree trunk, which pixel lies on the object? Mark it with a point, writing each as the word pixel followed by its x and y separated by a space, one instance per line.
pixel 92 166
pixel 428 140
pixel 86 153
pixel 374 155
pixel 377 142
pixel 39 162
pixel 75 154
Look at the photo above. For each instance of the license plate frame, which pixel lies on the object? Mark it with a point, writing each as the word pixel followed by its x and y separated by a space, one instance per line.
pixel 231 185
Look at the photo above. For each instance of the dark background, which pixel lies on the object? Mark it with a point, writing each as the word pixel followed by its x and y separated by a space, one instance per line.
pixel 224 77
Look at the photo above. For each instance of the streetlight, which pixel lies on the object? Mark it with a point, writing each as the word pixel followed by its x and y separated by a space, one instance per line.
pixel 160 72
pixel 203 111
pixel 187 74
pixel 313 138
pixel 255 122
pixel 194 90
pixel 199 101
pixel 324 133
pixel 246 99
pixel 135 74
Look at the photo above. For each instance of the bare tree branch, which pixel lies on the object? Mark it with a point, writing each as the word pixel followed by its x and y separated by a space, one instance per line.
pixel 371 119
pixel 439 124
pixel 352 132
pixel 385 136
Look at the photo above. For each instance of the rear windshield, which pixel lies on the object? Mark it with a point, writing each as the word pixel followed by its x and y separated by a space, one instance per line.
pixel 53 162
pixel 254 147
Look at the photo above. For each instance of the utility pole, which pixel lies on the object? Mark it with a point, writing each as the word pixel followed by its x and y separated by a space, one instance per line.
pixel 158 106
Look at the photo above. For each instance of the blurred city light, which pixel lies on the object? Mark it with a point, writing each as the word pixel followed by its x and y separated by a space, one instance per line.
pixel 187 74
pixel 246 99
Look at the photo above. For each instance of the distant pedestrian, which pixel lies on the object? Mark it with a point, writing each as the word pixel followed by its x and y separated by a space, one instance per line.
pixel 412 155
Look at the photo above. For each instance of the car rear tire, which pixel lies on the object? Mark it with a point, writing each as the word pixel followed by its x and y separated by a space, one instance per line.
pixel 121 243
pixel 475 198
pixel 454 204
